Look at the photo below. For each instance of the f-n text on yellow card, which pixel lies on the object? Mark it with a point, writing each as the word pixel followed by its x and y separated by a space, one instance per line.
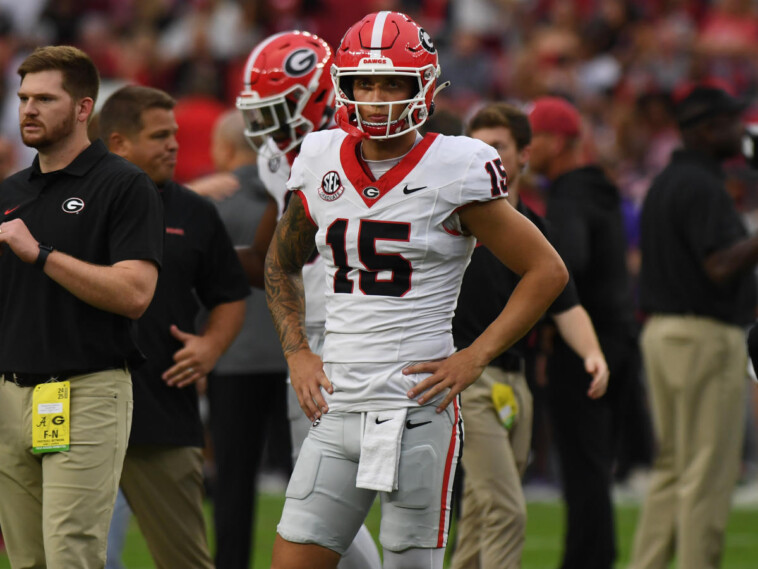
pixel 51 417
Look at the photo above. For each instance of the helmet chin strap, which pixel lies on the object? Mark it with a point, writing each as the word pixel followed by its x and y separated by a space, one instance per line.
pixel 343 121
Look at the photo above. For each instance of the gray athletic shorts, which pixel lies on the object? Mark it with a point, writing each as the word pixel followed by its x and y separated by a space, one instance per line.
pixel 323 505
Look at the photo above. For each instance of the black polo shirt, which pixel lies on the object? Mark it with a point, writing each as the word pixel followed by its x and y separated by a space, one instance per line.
pixel 687 215
pixel 584 212
pixel 200 267
pixel 100 209
pixel 487 286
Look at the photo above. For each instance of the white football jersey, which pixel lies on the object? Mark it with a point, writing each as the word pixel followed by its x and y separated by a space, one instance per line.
pixel 393 252
pixel 274 173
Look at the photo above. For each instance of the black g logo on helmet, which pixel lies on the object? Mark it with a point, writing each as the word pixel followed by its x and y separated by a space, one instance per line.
pixel 300 62
pixel 426 41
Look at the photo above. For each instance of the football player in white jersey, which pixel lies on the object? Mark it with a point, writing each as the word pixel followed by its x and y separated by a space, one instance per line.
pixel 288 93
pixel 395 217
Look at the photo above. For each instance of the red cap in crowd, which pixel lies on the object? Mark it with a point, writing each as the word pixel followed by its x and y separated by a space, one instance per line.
pixel 555 115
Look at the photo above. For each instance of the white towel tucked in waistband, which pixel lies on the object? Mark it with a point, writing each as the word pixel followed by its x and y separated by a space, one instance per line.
pixel 380 450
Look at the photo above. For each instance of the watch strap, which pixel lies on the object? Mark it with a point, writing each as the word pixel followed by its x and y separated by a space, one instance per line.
pixel 44 251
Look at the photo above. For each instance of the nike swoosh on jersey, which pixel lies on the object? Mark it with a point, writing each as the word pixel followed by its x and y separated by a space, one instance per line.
pixel 11 210
pixel 378 422
pixel 407 190
pixel 409 425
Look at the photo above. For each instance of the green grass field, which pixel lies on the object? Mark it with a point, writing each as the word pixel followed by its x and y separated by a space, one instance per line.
pixel 543 540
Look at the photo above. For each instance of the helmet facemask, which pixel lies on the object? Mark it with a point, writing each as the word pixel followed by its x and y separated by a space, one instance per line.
pixel 278 118
pixel 413 115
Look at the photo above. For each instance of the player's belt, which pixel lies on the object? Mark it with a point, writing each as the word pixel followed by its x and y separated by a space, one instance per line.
pixel 509 362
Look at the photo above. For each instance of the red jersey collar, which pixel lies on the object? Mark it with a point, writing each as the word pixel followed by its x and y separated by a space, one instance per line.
pixel 360 176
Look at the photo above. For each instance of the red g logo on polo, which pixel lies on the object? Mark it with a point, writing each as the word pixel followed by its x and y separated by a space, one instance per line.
pixel 73 205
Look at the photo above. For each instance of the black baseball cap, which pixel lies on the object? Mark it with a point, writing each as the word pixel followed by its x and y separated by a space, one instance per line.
pixel 695 102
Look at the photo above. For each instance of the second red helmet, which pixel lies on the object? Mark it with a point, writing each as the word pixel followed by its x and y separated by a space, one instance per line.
pixel 287 90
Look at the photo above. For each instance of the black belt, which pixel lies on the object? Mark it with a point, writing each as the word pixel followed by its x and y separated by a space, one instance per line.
pixel 509 362
pixel 32 379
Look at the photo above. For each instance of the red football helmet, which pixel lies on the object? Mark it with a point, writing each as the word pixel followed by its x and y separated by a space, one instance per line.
pixel 287 94
pixel 385 43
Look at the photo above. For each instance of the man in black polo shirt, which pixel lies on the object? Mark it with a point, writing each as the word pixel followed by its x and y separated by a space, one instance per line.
pixel 698 288
pixel 492 526
pixel 81 246
pixel 583 209
pixel 162 478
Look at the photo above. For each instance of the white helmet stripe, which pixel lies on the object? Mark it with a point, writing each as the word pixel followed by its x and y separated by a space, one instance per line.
pixel 256 52
pixel 377 33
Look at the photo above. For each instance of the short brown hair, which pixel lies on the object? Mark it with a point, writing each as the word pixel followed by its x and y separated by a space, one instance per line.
pixel 80 76
pixel 230 127
pixel 122 111
pixel 504 115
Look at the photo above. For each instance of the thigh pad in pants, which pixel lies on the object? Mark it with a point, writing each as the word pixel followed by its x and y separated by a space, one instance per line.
pixel 417 514
pixel 322 505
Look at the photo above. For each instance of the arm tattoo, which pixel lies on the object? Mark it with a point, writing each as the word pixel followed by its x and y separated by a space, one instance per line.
pixel 290 248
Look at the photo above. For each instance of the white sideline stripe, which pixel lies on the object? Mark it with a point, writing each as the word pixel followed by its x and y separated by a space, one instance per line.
pixel 377 32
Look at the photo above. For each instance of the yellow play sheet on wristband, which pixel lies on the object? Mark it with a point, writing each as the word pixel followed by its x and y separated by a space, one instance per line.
pixel 51 417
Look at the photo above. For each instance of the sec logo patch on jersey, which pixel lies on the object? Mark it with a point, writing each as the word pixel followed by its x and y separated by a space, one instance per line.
pixel 274 163
pixel 331 186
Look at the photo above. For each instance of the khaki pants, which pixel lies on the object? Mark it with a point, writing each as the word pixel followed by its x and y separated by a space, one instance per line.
pixel 493 512
pixel 696 369
pixel 164 488
pixel 55 508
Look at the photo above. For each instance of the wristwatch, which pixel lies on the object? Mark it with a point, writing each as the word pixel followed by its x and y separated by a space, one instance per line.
pixel 44 251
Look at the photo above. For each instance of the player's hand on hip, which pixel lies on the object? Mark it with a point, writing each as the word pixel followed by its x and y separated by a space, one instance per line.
pixel 597 367
pixel 308 379
pixel 455 373
pixel 20 240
